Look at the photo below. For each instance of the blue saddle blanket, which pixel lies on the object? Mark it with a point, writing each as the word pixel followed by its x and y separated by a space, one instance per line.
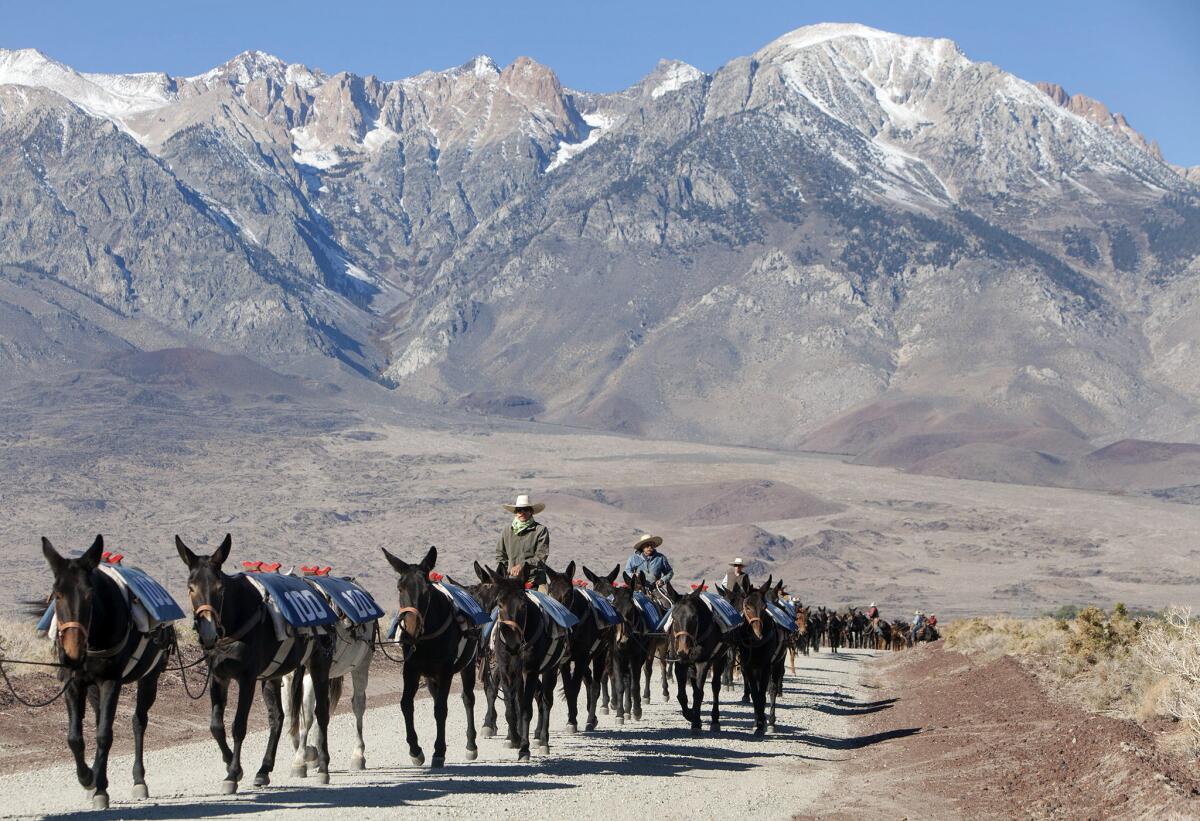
pixel 151 594
pixel 554 609
pixel 465 603
pixel 781 617
pixel 649 609
pixel 601 606
pixel 348 599
pixel 787 606
pixel 299 604
pixel 725 613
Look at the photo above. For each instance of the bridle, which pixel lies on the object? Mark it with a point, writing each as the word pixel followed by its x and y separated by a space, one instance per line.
pixel 520 629
pixel 219 623
pixel 421 635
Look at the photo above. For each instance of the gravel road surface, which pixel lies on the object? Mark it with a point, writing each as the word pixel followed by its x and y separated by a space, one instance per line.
pixel 643 769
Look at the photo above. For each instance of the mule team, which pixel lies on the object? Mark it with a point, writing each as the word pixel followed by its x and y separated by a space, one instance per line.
pixel 523 652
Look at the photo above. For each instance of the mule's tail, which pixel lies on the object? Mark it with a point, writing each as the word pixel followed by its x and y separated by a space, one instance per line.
pixel 335 693
pixel 296 702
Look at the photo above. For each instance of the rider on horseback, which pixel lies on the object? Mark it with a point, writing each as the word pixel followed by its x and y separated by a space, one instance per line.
pixel 872 612
pixel 525 540
pixel 646 558
pixel 918 623
pixel 735 575
pixel 653 565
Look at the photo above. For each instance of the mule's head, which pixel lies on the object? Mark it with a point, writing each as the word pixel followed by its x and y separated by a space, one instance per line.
pixel 485 591
pixel 512 622
pixel 561 584
pixel 206 589
pixel 602 584
pixel 685 622
pixel 72 594
pixel 413 592
pixel 754 608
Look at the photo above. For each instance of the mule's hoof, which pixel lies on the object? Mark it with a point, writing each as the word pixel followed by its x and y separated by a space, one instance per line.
pixel 523 758
pixel 228 787
pixel 603 711
pixel 262 780
pixel 591 725
pixel 141 791
pixel 436 762
pixel 100 801
pixel 620 719
pixel 472 755
pixel 487 732
pixel 714 727
pixel 310 753
pixel 572 728
pixel 637 715
pixel 417 760
pixel 299 771
pixel 358 762
pixel 543 749
pixel 322 778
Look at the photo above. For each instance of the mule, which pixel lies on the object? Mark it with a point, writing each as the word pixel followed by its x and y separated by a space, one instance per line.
pixel 528 648
pixel 353 650
pixel 699 647
pixel 438 645
pixel 631 642
pixel 238 637
pixel 101 650
pixel 589 650
pixel 761 645
pixel 835 629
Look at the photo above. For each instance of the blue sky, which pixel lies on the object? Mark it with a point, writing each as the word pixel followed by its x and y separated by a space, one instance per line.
pixel 1142 59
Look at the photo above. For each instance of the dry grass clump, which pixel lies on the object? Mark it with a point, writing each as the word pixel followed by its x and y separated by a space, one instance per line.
pixel 1004 636
pixel 19 640
pixel 1110 662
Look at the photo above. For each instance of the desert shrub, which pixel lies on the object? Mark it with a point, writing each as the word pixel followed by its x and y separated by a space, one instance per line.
pixel 1003 636
pixel 1095 635
pixel 1170 647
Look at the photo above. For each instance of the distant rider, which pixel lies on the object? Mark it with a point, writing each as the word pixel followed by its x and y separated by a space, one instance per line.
pixel 872 612
pixel 734 576
pixel 917 623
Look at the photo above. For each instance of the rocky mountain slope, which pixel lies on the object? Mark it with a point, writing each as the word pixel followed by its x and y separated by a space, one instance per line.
pixel 847 225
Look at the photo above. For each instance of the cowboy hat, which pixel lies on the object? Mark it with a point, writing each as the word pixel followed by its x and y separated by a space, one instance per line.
pixel 523 501
pixel 647 539
pixel 737 562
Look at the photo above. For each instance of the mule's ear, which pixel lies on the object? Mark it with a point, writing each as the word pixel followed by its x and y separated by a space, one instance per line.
pixel 492 576
pixel 482 573
pixel 700 587
pixel 628 579
pixel 570 571
pixel 724 591
pixel 672 595
pixel 765 587
pixel 597 581
pixel 91 557
pixel 526 571
pixel 612 577
pixel 57 562
pixel 189 558
pixel 745 583
pixel 399 565
pixel 222 553
pixel 430 559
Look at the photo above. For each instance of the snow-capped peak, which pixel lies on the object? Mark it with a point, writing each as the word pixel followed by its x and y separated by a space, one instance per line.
pixel 815 35
pixel 673 75
pixel 483 66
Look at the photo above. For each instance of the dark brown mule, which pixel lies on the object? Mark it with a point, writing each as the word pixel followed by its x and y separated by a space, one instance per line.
pixel 589 651
pixel 699 648
pixel 100 650
pixel 437 646
pixel 237 634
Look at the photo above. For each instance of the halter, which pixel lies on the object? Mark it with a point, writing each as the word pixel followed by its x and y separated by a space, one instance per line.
pixel 520 630
pixel 239 634
pixel 421 619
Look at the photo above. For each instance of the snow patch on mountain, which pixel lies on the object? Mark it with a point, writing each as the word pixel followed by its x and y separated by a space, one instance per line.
pixel 675 77
pixel 597 124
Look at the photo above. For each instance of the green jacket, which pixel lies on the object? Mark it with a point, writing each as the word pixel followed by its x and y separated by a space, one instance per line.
pixel 530 545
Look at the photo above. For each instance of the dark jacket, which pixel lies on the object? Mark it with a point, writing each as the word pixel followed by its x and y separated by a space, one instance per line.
pixel 530 545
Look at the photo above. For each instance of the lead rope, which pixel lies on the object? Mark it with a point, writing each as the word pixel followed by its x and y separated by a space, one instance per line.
pixel 182 667
pixel 13 690
pixel 381 645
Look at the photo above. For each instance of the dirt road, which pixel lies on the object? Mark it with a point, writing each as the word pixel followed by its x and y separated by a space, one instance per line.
pixel 636 771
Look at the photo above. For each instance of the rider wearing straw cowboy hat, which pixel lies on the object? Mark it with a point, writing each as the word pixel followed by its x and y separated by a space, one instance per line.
pixel 734 576
pixel 524 540
pixel 646 558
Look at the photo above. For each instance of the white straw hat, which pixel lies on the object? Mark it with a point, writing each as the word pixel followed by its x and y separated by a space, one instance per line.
pixel 737 562
pixel 648 539
pixel 523 501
